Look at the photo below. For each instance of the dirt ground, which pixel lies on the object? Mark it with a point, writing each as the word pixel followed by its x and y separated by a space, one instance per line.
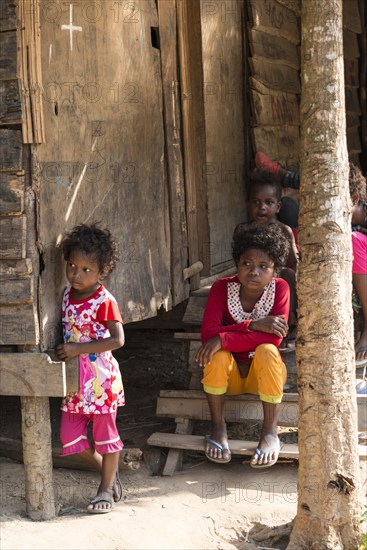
pixel 205 506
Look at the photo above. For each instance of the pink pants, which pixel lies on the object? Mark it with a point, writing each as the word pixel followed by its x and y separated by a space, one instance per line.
pixel 74 428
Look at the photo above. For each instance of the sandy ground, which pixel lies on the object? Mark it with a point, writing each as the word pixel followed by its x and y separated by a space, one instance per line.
pixel 205 506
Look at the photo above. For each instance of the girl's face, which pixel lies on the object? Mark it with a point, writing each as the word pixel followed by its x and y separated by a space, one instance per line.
pixel 255 270
pixel 359 214
pixel 83 274
pixel 263 205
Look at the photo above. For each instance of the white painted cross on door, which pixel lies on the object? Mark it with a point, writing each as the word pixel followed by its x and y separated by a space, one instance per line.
pixel 70 27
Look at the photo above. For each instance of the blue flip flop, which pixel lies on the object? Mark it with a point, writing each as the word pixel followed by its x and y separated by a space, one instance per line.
pixel 221 448
pixel 259 453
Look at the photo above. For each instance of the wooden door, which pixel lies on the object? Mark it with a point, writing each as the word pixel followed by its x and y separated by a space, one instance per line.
pixel 104 157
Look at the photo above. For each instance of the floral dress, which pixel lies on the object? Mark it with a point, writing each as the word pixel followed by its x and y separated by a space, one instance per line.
pixel 100 385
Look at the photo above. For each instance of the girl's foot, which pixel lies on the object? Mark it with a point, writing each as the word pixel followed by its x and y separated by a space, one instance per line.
pixel 216 447
pixel 267 452
pixel 100 504
pixel 117 488
pixel 361 350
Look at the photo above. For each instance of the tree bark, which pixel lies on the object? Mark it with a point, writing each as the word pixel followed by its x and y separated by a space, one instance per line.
pixel 328 485
pixel 37 456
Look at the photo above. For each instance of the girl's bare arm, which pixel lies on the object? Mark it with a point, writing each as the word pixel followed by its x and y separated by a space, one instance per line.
pixel 115 341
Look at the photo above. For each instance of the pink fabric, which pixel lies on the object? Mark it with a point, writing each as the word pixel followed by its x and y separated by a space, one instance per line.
pixel 74 429
pixel 100 385
pixel 359 244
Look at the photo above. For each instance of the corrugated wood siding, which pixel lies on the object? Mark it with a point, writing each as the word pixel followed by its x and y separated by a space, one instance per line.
pixel 274 42
pixel 18 308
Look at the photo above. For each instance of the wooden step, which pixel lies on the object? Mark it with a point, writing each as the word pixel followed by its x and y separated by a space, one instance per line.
pixel 242 448
pixel 238 408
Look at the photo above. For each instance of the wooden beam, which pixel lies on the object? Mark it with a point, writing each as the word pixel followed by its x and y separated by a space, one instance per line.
pixel 191 77
pixel 242 448
pixel 11 147
pixel 36 438
pixel 193 404
pixel 8 15
pixel 273 18
pixel 12 237
pixel 174 146
pixel 8 55
pixel 10 104
pixel 36 375
pixel 11 194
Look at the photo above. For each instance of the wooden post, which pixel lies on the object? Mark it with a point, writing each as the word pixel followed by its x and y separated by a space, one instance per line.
pixel 37 456
pixel 191 73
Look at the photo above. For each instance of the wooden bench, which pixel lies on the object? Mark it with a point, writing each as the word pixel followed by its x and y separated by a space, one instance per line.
pixel 191 405
pixel 187 406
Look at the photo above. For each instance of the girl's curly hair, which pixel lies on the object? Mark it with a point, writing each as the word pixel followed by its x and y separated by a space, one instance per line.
pixel 268 238
pixel 357 182
pixel 96 243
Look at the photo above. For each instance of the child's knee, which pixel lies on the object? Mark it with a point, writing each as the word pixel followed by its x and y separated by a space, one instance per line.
pixel 267 352
pixel 220 360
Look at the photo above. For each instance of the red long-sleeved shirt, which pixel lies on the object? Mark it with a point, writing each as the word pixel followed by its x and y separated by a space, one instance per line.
pixel 237 337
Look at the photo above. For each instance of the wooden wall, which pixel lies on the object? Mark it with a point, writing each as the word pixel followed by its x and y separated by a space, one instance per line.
pixel 274 87
pixel 18 279
pixel 222 39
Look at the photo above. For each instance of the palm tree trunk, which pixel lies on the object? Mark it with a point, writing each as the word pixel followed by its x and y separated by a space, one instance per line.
pixel 328 485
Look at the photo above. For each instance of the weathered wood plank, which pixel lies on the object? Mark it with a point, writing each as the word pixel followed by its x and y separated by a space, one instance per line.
pixel 235 410
pixel 353 119
pixel 15 268
pixel 8 15
pixel 275 108
pixel 10 149
pixel 225 134
pixel 10 104
pixel 350 44
pixel 294 5
pixel 275 76
pixel 8 55
pixel 36 375
pixel 175 456
pixel 275 48
pixel 351 72
pixel 352 100
pixel 11 194
pixel 269 16
pixel 19 325
pixel 354 140
pixel 12 237
pixel 242 448
pixel 195 310
pixel 351 17
pixel 173 131
pixel 16 290
pixel 193 117
pixel 278 142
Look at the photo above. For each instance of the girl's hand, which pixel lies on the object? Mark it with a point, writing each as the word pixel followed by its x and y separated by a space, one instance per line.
pixel 67 351
pixel 207 350
pixel 273 324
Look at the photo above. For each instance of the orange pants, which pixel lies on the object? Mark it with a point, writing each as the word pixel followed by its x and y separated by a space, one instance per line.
pixel 266 377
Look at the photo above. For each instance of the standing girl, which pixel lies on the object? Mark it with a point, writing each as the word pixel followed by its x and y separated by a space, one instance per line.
pixel 92 327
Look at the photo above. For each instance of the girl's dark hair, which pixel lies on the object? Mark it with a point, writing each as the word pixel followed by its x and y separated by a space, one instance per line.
pixel 357 182
pixel 259 178
pixel 268 238
pixel 96 243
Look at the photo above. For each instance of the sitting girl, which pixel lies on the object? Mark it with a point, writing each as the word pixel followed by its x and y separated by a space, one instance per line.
pixel 244 322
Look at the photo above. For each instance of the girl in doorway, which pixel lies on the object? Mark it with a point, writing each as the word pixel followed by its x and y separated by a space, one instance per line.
pixel 245 320
pixel 92 327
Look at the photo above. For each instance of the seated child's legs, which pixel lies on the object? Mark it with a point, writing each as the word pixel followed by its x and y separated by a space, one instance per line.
pixel 105 434
pixel 222 376
pixel 73 433
pixel 267 375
